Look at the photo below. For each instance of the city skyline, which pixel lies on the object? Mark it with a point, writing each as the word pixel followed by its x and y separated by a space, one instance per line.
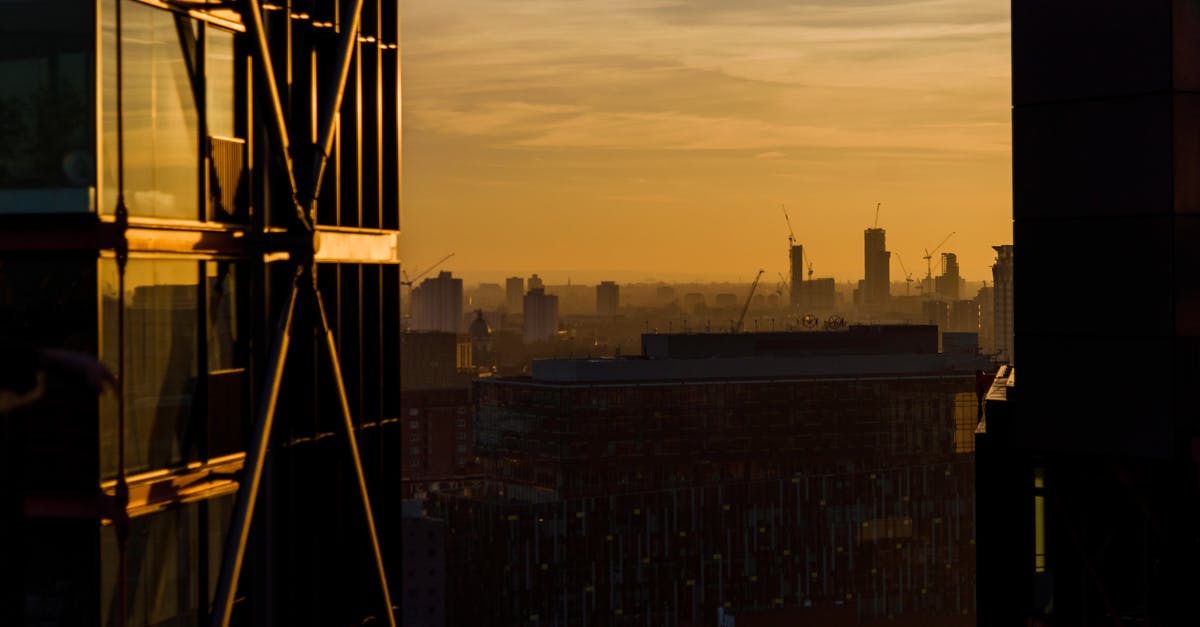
pixel 658 140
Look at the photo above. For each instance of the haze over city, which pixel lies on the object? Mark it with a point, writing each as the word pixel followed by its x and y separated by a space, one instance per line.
pixel 633 140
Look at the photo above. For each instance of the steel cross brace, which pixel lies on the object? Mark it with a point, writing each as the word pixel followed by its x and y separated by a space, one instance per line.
pixel 305 267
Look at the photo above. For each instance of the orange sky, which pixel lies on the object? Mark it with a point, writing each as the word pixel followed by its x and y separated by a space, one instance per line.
pixel 632 139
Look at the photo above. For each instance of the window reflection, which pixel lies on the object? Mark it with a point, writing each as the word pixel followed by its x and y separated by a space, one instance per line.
pixel 47 128
pixel 161 576
pixel 161 326
pixel 218 76
pixel 161 127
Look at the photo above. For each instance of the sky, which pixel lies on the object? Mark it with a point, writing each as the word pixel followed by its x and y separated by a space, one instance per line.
pixel 658 139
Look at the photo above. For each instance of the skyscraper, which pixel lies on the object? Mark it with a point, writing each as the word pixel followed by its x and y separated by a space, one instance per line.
pixel 877 264
pixel 1002 303
pixel 947 285
pixel 796 257
pixel 437 304
pixel 514 288
pixel 608 298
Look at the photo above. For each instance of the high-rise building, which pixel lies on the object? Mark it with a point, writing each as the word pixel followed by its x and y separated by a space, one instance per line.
pixel 877 264
pixel 514 288
pixel 1002 303
pixel 163 184
pixel 608 298
pixel 1088 456
pixel 535 283
pixel 437 304
pixel 541 315
pixel 947 285
pixel 796 259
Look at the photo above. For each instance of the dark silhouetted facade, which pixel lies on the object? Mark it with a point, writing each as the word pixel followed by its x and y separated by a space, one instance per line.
pixel 608 298
pixel 1088 494
pixel 876 286
pixel 162 222
pixel 739 472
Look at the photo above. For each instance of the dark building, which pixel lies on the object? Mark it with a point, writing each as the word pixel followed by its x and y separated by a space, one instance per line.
pixel 169 198
pixel 514 293
pixel 818 295
pixel 876 284
pixel 437 433
pixel 608 298
pixel 1088 455
pixel 801 471
pixel 437 304
pixel 1002 303
pixel 796 266
pixel 424 575
pixel 947 284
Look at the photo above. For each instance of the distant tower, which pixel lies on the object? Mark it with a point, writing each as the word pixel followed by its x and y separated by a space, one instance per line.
pixel 541 315
pixel 437 304
pixel 535 282
pixel 797 265
pixel 877 266
pixel 1002 302
pixel 608 298
pixel 947 284
pixel 514 292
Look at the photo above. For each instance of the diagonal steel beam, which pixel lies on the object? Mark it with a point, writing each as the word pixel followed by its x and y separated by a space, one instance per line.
pixel 252 18
pixel 333 101
pixel 256 453
pixel 355 458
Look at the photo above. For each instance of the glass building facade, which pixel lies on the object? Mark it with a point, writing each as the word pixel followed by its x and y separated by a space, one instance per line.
pixel 117 506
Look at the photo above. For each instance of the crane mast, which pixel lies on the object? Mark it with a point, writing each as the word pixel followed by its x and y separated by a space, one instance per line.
pixel 737 328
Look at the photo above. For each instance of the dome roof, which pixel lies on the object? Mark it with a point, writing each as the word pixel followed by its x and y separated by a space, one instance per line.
pixel 479 327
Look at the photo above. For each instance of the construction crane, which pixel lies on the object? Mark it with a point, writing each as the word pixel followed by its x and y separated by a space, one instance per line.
pixel 791 235
pixel 876 215
pixel 409 281
pixel 907 275
pixel 808 260
pixel 737 328
pixel 929 256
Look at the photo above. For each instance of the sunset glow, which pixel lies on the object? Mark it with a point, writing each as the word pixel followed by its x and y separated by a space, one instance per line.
pixel 632 139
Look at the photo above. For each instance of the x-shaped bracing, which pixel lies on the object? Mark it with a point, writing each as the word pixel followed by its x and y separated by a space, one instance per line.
pixel 301 248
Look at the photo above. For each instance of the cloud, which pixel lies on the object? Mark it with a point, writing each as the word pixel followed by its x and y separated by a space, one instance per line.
pixel 772 154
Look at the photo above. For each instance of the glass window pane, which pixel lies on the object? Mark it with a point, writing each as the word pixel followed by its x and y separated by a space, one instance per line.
pixel 219 80
pixel 161 127
pixel 161 326
pixel 162 569
pixel 47 110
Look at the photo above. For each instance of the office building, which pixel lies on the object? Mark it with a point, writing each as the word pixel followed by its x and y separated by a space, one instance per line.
pixel 173 221
pixel 1088 457
pixel 514 290
pixel 876 286
pixel 541 315
pixel 1002 303
pixel 437 304
pixel 809 471
pixel 608 298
